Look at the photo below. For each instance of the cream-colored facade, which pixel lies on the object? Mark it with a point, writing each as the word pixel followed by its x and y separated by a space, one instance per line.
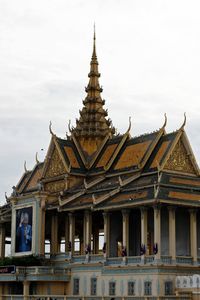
pixel 105 215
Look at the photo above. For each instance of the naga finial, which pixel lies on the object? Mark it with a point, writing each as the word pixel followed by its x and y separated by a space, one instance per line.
pixel 69 126
pixel 184 122
pixel 36 158
pixel 6 196
pixel 165 122
pixel 50 128
pixel 129 127
pixel 25 168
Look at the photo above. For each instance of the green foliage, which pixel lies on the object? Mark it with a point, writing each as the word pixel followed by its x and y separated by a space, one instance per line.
pixel 25 261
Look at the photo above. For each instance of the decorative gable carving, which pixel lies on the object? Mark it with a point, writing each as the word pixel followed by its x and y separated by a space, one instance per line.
pixel 56 166
pixel 180 160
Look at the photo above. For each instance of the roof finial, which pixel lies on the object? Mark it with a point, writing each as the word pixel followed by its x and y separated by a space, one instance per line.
pixel 165 122
pixel 94 56
pixel 25 168
pixel 50 128
pixel 36 158
pixel 129 127
pixel 184 122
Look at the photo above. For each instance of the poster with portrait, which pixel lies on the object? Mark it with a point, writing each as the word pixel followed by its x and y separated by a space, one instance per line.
pixel 23 234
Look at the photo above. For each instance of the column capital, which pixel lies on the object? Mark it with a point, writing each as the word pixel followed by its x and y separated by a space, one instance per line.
pixel 87 212
pixel 106 214
pixel 143 208
pixel 125 211
pixel 192 210
pixel 157 206
pixel 171 208
pixel 71 214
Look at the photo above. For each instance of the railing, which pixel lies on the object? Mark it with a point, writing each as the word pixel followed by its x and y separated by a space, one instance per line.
pixel 149 259
pixel 165 259
pixel 71 297
pixel 41 270
pixel 97 258
pixel 133 259
pixel 114 260
pixel 184 260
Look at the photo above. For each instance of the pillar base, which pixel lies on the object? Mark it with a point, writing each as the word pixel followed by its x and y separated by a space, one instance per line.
pixel 195 263
pixel 124 260
pixel 87 258
pixel 143 259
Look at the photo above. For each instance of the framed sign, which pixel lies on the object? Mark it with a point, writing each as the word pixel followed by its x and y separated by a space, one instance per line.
pixel 23 230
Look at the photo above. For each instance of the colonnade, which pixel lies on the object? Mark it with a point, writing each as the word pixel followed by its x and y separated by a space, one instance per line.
pixel 125 218
pixel 126 232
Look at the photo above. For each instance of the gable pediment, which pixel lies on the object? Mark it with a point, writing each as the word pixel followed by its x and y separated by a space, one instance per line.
pixel 180 159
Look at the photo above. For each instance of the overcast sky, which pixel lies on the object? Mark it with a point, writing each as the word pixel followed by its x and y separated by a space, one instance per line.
pixel 149 59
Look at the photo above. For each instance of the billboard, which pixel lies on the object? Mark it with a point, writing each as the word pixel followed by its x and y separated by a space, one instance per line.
pixel 23 229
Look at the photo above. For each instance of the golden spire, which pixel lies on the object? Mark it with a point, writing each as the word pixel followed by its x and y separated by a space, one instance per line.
pixel 94 56
pixel 92 122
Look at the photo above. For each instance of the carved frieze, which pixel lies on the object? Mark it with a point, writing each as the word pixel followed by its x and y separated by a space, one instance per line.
pixel 180 160
pixel 54 187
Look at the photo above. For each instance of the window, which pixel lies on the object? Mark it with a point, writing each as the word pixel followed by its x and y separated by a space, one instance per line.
pixel 112 288
pixel 168 288
pixel 93 286
pixel 77 244
pixel 131 288
pixel 148 288
pixel 76 286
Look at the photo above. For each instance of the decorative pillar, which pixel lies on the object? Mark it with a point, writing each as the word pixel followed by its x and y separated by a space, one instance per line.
pixel 143 230
pixel 193 234
pixel 42 226
pixel 2 241
pixel 26 285
pixel 66 234
pixel 172 232
pixel 71 233
pixel 125 232
pixel 96 241
pixel 88 230
pixel 157 232
pixel 106 246
pixel 54 234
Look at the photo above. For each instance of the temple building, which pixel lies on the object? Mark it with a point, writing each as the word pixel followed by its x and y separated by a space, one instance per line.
pixel 105 215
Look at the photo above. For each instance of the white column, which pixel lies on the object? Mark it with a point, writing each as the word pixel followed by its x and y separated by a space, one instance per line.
pixel 88 228
pixel 157 231
pixel 106 217
pixel 26 285
pixel 42 231
pixel 125 229
pixel 66 234
pixel 144 226
pixel 193 234
pixel 2 241
pixel 172 232
pixel 71 231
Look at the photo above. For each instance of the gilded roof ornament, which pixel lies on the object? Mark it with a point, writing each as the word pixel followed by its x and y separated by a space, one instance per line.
pixel 50 129
pixel 25 168
pixel 129 126
pixel 184 122
pixel 6 197
pixel 69 126
pixel 36 158
pixel 165 122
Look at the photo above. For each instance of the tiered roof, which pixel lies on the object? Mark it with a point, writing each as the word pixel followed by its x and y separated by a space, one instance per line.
pixel 94 168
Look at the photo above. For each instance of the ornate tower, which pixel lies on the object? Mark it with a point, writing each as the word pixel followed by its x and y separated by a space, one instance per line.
pixel 92 127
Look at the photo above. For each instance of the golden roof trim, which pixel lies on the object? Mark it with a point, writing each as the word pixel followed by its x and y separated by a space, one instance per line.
pixel 114 155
